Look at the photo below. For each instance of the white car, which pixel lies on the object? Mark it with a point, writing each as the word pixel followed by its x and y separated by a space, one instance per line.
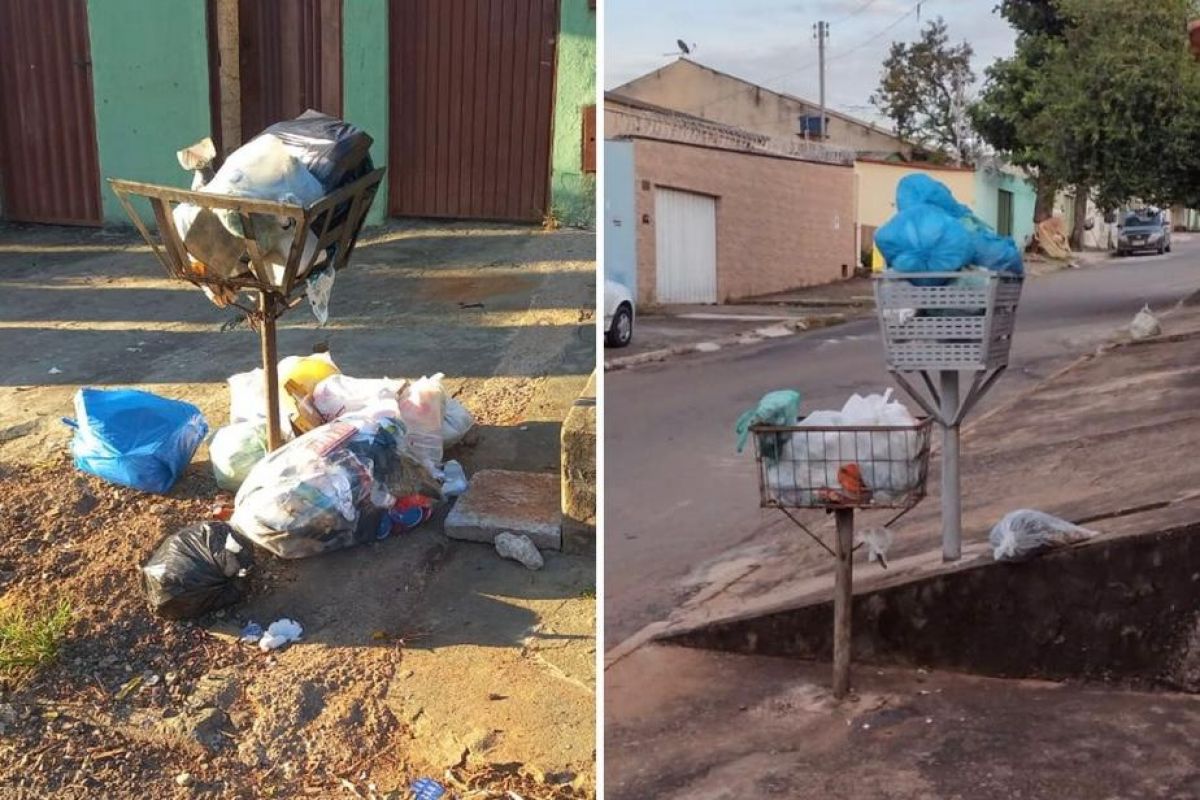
pixel 618 314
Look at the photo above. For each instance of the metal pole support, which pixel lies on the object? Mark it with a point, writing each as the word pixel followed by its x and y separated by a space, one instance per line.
pixel 266 306
pixel 843 597
pixel 951 498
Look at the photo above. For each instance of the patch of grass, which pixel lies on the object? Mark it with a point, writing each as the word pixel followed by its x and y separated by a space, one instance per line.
pixel 30 637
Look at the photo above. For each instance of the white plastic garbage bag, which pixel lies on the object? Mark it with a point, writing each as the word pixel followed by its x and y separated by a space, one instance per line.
pixel 456 421
pixel 234 451
pixel 1025 532
pixel 422 407
pixel 1144 325
pixel 341 394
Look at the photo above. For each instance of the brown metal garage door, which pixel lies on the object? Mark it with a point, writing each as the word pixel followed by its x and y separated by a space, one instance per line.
pixel 290 60
pixel 49 169
pixel 472 92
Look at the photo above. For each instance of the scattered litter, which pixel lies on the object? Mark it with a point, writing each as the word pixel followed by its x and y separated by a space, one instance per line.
pixel 184 779
pixel 198 569
pixel 426 789
pixel 134 438
pixel 251 633
pixel 1144 325
pixel 519 547
pixel 877 540
pixel 454 479
pixel 318 288
pixel 1026 532
pixel 409 512
pixel 129 687
pixel 55 371
pixel 279 633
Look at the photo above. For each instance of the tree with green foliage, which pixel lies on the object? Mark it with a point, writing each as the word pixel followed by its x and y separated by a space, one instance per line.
pixel 924 91
pixel 1100 94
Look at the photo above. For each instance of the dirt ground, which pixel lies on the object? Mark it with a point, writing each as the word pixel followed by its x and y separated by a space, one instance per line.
pixel 421 656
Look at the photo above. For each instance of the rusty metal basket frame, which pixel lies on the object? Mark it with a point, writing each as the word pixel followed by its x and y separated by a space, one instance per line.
pixel 922 429
pixel 273 298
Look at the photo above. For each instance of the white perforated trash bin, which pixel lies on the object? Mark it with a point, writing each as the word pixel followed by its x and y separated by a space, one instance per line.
pixel 965 324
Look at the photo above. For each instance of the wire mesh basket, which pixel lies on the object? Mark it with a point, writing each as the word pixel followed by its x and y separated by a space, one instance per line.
pixel 831 467
pixel 964 324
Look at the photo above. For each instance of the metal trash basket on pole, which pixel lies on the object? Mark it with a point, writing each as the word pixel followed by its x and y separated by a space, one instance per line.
pixel 965 324
pixel 335 221
pixel 840 469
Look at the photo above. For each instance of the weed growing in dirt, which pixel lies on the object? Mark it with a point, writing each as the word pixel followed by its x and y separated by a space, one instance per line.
pixel 30 637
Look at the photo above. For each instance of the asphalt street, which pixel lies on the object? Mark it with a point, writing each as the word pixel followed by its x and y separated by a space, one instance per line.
pixel 676 493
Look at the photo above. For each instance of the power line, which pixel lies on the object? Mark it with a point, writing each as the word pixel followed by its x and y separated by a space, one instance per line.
pixel 808 65
pixel 855 12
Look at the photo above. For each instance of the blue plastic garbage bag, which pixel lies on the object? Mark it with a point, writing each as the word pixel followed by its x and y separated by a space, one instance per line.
pixel 135 438
pixel 925 238
pixel 920 189
pixel 997 253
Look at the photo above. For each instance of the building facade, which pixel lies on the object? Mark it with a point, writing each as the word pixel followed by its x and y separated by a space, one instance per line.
pixel 708 213
pixel 695 89
pixel 478 109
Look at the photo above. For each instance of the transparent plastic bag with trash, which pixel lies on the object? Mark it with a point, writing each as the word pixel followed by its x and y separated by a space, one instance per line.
pixel 423 407
pixel 1026 532
pixel 248 391
pixel 332 487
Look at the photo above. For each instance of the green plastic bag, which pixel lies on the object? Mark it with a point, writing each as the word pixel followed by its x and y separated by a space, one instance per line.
pixel 780 407
pixel 234 450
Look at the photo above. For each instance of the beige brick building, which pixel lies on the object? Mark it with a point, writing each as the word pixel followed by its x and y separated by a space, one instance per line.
pixel 720 214
pixel 710 94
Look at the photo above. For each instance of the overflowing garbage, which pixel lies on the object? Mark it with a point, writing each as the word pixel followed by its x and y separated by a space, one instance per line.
pixel 134 438
pixel 880 458
pixel 1145 325
pixel 933 232
pixel 297 162
pixel 1025 532
pixel 196 570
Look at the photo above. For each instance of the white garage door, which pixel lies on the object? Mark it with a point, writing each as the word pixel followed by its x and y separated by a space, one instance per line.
pixel 686 246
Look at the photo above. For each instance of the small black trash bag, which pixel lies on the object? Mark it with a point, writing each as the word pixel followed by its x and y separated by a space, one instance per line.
pixel 196 570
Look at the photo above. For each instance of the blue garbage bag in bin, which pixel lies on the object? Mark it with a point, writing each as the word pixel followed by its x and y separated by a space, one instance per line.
pixel 920 189
pixel 135 438
pixel 925 238
pixel 997 253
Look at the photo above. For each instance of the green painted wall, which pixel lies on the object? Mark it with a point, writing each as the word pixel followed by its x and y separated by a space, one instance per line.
pixel 365 81
pixel 572 192
pixel 150 83
pixel 988 182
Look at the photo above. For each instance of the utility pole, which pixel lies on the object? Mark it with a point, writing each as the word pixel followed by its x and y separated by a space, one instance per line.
pixel 822 33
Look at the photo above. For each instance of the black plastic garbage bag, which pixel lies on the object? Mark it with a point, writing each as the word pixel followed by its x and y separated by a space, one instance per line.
pixel 334 151
pixel 196 570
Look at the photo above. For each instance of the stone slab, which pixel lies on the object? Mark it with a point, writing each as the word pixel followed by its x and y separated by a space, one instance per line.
pixel 502 500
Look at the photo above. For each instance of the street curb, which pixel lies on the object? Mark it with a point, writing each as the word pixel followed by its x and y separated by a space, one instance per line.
pixel 753 336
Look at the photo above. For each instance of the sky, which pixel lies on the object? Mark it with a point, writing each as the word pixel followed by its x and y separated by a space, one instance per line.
pixel 771 42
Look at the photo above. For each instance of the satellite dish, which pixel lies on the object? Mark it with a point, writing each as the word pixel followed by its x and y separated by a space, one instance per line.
pixel 683 48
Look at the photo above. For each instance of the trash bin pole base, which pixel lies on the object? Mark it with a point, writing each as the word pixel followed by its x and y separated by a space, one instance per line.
pixel 951 500
pixel 843 598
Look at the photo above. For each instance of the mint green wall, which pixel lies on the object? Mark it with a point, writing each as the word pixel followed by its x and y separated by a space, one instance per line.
pixel 365 82
pixel 988 182
pixel 150 84
pixel 572 192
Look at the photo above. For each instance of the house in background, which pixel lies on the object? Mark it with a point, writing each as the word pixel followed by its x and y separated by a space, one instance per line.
pixel 701 212
pixel 877 181
pixel 480 109
pixel 687 86
pixel 1005 198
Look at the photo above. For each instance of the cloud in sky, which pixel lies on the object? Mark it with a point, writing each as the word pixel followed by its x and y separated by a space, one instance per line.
pixel 771 41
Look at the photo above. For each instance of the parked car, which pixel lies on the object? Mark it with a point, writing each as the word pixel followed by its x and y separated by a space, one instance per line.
pixel 618 314
pixel 1147 229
